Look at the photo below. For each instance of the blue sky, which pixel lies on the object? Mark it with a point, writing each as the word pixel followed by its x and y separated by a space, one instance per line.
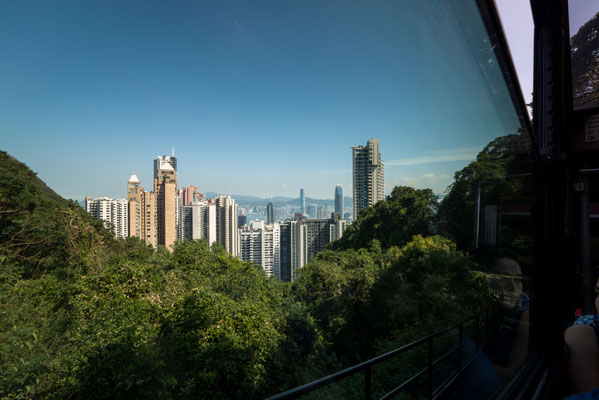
pixel 257 97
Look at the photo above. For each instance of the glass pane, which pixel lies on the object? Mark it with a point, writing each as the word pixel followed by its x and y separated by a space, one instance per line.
pixel 584 45
pixel 401 105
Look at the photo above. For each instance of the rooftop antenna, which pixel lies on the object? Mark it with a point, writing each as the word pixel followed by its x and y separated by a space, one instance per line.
pixel 173 151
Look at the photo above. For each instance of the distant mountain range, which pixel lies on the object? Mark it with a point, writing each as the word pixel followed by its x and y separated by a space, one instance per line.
pixel 279 200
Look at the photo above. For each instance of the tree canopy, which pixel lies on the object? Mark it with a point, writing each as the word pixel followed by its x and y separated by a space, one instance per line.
pixel 497 172
pixel 393 222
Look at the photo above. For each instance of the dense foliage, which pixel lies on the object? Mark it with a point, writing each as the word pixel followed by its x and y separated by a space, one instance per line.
pixel 393 222
pixel 499 174
pixel 84 315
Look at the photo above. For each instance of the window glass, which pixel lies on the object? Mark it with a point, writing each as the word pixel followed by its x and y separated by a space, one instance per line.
pixel 403 105
pixel 584 46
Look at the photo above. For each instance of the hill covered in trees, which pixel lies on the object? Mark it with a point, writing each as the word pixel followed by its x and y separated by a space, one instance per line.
pixel 86 315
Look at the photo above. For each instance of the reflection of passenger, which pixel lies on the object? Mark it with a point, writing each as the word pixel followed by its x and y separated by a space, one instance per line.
pixel 583 351
pixel 508 346
pixel 506 349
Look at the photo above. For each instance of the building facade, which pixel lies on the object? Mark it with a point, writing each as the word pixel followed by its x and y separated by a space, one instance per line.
pixel 198 221
pixel 165 189
pixel 142 212
pixel 260 244
pixel 270 213
pixel 226 223
pixel 321 212
pixel 368 176
pixel 302 239
pixel 242 220
pixel 113 211
pixel 189 195
pixel 302 202
pixel 155 217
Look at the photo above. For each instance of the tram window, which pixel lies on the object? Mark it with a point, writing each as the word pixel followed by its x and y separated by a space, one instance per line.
pixel 317 77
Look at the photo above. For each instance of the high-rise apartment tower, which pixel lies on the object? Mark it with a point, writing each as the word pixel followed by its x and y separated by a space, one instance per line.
pixel 161 161
pixel 165 189
pixel 143 212
pixel 226 223
pixel 312 210
pixel 368 176
pixel 112 211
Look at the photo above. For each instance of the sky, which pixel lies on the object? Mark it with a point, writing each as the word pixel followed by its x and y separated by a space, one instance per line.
pixel 518 26
pixel 257 97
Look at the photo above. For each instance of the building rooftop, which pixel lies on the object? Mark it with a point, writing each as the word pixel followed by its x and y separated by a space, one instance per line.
pixel 134 178
pixel 167 166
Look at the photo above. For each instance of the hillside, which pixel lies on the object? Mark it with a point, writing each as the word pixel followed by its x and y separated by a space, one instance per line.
pixel 11 166
pixel 39 230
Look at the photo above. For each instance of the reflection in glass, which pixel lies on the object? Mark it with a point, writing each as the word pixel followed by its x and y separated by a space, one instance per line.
pixel 584 46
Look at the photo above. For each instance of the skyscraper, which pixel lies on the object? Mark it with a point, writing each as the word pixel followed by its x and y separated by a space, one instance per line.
pixel 321 212
pixel 312 210
pixel 302 202
pixel 165 189
pixel 368 176
pixel 226 223
pixel 161 161
pixel 143 212
pixel 242 220
pixel 339 200
pixel 270 213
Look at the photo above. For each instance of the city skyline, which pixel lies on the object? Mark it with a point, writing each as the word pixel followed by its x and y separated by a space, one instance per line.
pixel 232 89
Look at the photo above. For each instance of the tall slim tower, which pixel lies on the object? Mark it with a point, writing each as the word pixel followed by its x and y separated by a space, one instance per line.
pixel 339 200
pixel 142 212
pixel 270 213
pixel 165 189
pixel 302 202
pixel 226 223
pixel 368 175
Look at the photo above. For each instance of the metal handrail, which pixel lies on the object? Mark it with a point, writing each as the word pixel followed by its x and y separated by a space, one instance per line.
pixel 366 366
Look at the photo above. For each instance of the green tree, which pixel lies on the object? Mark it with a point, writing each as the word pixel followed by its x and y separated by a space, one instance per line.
pixel 498 172
pixel 336 290
pixel 393 222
